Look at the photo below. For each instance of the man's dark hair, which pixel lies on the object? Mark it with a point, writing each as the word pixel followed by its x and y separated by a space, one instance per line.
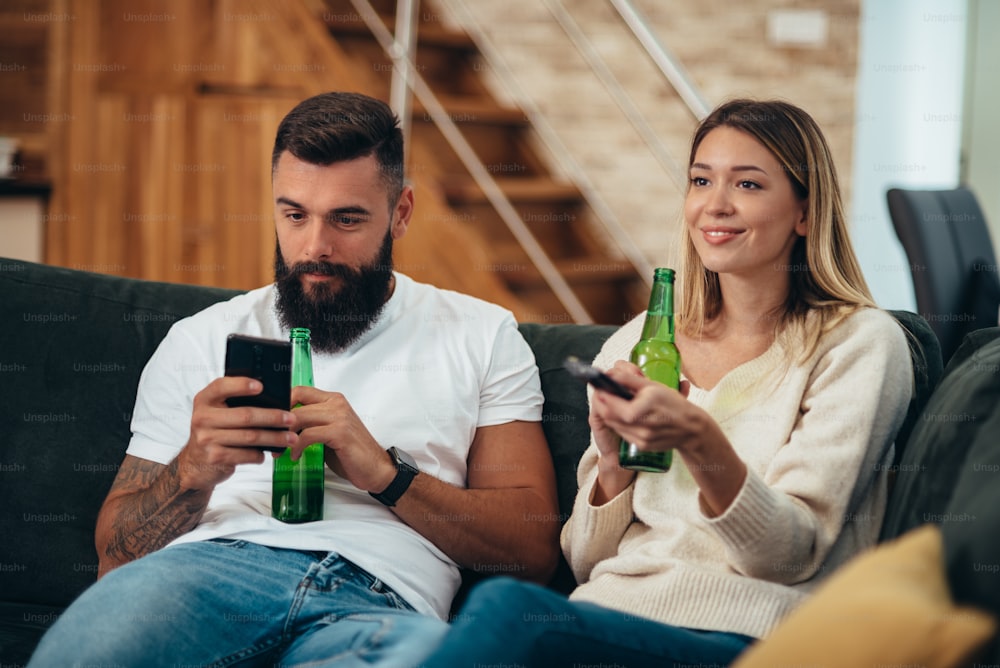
pixel 338 126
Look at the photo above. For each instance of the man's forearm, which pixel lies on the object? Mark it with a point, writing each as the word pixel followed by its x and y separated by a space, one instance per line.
pixel 505 531
pixel 137 522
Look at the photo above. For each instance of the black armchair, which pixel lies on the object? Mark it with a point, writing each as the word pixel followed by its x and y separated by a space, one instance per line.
pixel 951 258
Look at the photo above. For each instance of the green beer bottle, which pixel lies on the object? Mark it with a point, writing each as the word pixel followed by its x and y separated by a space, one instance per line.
pixel 297 487
pixel 659 359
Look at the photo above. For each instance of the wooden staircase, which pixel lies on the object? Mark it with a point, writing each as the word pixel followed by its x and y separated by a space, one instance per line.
pixel 608 287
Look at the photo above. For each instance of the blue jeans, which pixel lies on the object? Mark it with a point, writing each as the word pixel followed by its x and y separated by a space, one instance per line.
pixel 234 603
pixel 510 623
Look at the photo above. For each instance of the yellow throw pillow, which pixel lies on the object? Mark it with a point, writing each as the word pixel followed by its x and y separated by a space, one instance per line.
pixel 890 606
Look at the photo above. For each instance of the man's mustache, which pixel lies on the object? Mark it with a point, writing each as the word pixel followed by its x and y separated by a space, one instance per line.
pixel 321 269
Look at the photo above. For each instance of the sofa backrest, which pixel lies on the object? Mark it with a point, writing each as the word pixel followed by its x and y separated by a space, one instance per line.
pixel 71 350
pixel 564 415
pixel 958 421
pixel 72 346
pixel 970 525
pixel 950 472
pixel 925 355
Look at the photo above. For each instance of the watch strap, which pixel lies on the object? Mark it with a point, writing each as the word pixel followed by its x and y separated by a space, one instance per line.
pixel 405 473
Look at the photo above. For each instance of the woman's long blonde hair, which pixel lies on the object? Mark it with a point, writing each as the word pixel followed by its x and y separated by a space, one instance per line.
pixel 826 279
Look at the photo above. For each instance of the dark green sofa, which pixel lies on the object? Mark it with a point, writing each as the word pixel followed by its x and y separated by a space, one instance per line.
pixel 73 343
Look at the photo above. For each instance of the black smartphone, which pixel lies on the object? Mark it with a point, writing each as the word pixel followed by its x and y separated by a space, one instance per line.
pixel 600 380
pixel 270 362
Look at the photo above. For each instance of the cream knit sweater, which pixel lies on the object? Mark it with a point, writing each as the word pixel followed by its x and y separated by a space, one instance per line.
pixel 817 440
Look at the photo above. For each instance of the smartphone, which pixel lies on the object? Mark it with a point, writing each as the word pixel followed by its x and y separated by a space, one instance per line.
pixel 600 380
pixel 270 362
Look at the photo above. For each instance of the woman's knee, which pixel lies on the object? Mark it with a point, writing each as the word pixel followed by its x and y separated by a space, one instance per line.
pixel 494 626
pixel 502 592
pixel 498 601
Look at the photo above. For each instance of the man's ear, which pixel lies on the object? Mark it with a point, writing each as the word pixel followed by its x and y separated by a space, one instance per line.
pixel 402 213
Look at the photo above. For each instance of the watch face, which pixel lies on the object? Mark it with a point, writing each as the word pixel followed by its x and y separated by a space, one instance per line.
pixel 404 457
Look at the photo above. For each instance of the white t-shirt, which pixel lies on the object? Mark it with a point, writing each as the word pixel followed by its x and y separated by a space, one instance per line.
pixel 435 366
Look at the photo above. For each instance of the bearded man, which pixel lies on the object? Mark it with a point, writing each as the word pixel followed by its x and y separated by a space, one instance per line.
pixel 428 403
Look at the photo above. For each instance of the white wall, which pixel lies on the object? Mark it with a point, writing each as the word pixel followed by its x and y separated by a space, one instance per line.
pixel 21 228
pixel 911 70
pixel 982 106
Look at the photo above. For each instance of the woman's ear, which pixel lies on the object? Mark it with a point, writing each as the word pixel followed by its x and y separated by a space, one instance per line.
pixel 802 226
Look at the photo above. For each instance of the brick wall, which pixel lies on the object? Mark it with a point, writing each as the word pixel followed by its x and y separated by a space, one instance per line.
pixel 726 51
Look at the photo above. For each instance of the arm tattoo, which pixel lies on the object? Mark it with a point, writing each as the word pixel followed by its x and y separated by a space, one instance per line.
pixel 154 510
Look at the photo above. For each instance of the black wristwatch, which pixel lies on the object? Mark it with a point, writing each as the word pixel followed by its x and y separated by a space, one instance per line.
pixel 406 471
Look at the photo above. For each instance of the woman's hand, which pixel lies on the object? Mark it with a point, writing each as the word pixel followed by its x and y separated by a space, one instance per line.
pixel 612 479
pixel 605 421
pixel 660 418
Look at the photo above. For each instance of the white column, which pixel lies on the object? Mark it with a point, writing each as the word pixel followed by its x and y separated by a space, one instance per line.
pixel 911 70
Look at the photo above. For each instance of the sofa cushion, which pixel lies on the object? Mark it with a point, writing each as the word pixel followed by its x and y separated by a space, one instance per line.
pixel 70 359
pixel 972 526
pixel 937 452
pixel 22 626
pixel 564 421
pixel 971 522
pixel 887 607
pixel 564 415
pixel 71 351
pixel 925 352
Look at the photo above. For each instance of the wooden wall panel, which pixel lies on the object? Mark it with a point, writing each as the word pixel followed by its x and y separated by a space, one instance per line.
pixel 245 211
pixel 154 45
pixel 229 228
pixel 107 177
pixel 203 180
pixel 165 166
pixel 66 234
pixel 162 193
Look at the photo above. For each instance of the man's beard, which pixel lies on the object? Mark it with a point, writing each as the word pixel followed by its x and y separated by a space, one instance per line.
pixel 336 318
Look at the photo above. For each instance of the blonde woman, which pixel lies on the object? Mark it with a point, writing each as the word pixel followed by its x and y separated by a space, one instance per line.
pixel 793 387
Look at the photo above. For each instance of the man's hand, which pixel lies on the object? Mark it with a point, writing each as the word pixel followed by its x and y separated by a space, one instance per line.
pixel 351 451
pixel 150 504
pixel 223 437
pixel 506 518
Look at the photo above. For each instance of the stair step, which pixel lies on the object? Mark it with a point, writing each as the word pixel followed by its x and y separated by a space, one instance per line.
pixel 554 210
pixel 428 34
pixel 533 190
pixel 435 34
pixel 474 110
pixel 510 262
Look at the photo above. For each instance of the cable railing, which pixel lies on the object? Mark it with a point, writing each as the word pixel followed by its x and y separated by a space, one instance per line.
pixel 501 204
pixel 407 81
pixel 614 87
pixel 400 99
pixel 667 63
pixel 554 144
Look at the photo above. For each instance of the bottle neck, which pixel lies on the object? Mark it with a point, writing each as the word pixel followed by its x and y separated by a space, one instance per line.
pixel 659 322
pixel 302 373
